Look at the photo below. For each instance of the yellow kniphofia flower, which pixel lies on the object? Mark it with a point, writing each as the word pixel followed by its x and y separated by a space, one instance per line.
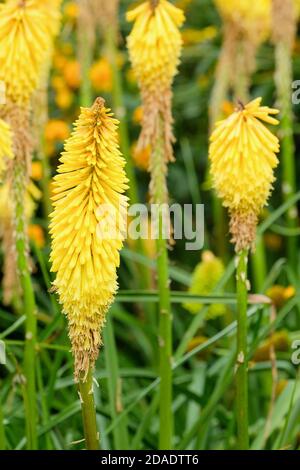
pixel 26 33
pixel 86 228
pixel 155 45
pixel 5 145
pixel 248 15
pixel 243 155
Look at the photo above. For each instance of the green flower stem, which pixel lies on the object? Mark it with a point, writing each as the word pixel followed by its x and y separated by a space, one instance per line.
pixel 88 409
pixel 19 189
pixel 159 193
pixel 283 79
pixel 242 363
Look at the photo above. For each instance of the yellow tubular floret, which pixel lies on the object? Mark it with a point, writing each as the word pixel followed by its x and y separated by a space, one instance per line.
pixel 88 192
pixel 6 151
pixel 26 34
pixel 243 156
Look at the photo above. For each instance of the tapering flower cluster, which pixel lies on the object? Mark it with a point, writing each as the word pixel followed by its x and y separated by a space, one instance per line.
pixel 86 228
pixel 243 155
pixel 27 28
pixel 5 145
pixel 155 45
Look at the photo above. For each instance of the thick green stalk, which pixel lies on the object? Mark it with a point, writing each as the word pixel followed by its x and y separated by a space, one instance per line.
pixel 159 194
pixel 88 409
pixel 242 363
pixel 283 79
pixel 19 190
pixel 259 264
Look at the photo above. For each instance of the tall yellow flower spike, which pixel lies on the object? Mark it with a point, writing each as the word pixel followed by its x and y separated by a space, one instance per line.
pixel 5 145
pixel 88 193
pixel 243 155
pixel 26 33
pixel 154 46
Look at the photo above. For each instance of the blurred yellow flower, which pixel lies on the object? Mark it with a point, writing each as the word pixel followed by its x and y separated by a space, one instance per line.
pixel 56 130
pixel 280 294
pixel 71 73
pixel 280 386
pixel 279 340
pixel 253 17
pixel 59 62
pixel 138 115
pixel 101 75
pixel 198 341
pixel 141 157
pixel 205 278
pixel 227 108
pixel 71 10
pixel 58 82
pixel 195 36
pixel 36 171
pixel 64 98
pixel 130 76
pixel 183 4
pixel 273 241
pixel 36 234
pixel 289 292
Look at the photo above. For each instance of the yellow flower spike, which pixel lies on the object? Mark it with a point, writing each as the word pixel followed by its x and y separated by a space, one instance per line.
pixel 5 145
pixel 154 47
pixel 26 33
pixel 91 178
pixel 243 156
